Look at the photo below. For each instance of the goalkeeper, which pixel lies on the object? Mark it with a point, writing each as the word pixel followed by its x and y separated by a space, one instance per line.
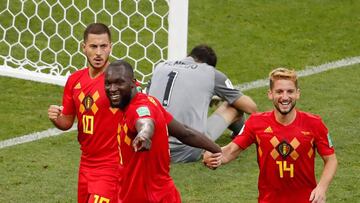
pixel 186 87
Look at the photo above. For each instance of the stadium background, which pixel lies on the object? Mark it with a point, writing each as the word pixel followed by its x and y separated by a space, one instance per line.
pixel 250 38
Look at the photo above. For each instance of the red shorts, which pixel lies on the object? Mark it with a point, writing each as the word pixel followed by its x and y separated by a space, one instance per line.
pixel 98 186
pixel 173 197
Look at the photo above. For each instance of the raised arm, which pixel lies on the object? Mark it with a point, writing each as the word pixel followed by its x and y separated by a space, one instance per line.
pixel 61 121
pixel 192 137
pixel 318 195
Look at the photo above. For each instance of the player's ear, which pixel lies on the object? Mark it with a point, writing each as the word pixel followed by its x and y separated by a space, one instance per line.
pixel 133 83
pixel 83 46
pixel 270 95
pixel 297 93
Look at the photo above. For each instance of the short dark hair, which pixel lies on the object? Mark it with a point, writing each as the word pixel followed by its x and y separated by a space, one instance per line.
pixel 122 64
pixel 205 54
pixel 96 28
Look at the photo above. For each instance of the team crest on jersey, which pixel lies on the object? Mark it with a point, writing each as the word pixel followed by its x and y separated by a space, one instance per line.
pixel 284 149
pixel 88 102
pixel 143 111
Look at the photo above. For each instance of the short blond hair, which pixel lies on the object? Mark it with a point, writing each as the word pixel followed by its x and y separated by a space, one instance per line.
pixel 283 74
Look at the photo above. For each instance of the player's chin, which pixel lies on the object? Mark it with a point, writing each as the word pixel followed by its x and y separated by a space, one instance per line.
pixel 98 64
pixel 285 111
pixel 114 103
pixel 283 108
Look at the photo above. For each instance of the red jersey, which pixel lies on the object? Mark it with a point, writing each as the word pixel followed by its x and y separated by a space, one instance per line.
pixel 146 174
pixel 286 154
pixel 85 97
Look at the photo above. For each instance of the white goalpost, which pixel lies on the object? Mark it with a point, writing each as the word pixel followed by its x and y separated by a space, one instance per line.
pixel 40 40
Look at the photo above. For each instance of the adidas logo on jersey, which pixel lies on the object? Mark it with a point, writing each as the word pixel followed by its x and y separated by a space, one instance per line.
pixel 268 130
pixel 77 86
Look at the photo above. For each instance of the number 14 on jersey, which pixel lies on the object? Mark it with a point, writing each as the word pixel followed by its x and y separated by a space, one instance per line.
pixel 285 167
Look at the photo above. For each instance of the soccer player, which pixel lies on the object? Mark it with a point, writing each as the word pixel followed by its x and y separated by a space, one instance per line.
pixel 143 139
pixel 186 88
pixel 85 98
pixel 286 140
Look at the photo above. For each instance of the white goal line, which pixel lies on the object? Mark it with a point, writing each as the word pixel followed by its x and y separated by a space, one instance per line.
pixel 310 70
pixel 35 136
pixel 243 87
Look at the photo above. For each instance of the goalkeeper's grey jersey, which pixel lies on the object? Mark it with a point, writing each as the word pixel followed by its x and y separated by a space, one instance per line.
pixel 185 89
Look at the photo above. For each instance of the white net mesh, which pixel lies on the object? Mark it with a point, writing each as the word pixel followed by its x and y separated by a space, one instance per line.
pixel 43 37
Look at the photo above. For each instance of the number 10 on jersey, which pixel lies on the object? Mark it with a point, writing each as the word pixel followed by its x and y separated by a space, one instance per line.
pixel 88 124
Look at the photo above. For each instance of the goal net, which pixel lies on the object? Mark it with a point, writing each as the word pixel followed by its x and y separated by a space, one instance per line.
pixel 41 40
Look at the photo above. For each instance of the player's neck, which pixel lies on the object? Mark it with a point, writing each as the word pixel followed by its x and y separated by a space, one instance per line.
pixel 286 119
pixel 95 72
pixel 133 92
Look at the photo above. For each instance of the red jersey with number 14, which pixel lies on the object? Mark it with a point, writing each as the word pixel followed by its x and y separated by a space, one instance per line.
pixel 286 154
pixel 146 174
pixel 85 97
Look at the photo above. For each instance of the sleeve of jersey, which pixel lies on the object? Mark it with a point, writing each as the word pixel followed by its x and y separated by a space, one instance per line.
pixel 224 88
pixel 246 137
pixel 67 102
pixel 323 141
pixel 139 111
pixel 168 117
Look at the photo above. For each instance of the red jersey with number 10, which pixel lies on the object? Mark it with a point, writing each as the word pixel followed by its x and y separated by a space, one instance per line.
pixel 146 174
pixel 85 97
pixel 286 154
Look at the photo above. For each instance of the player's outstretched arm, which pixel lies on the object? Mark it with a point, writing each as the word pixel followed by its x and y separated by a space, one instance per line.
pixel 245 104
pixel 145 128
pixel 192 137
pixel 229 152
pixel 318 195
pixel 61 121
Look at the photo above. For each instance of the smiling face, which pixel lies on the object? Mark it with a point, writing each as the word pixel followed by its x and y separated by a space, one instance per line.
pixel 97 48
pixel 284 92
pixel 119 85
pixel 284 95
